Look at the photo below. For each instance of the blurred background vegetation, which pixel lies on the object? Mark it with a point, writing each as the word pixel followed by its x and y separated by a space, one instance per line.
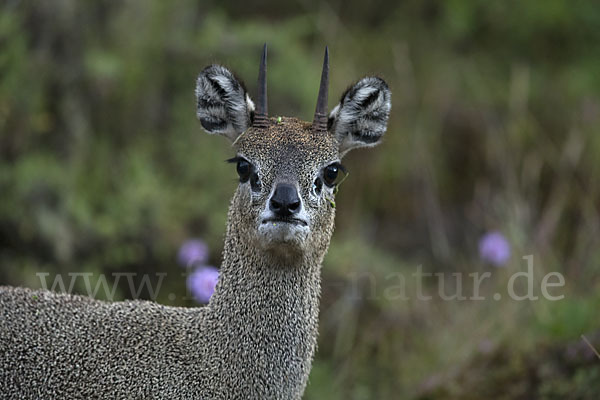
pixel 494 127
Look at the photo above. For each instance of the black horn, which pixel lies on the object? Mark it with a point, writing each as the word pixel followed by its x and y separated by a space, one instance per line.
pixel 320 120
pixel 261 117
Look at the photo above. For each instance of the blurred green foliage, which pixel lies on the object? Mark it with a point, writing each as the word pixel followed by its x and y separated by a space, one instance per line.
pixel 494 126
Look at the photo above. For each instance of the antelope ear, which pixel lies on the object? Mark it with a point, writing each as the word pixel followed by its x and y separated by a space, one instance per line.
pixel 360 119
pixel 223 105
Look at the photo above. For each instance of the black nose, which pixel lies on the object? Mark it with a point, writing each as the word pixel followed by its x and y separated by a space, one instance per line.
pixel 285 200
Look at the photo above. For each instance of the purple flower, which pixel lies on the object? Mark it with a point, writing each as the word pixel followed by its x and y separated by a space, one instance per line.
pixel 494 249
pixel 202 282
pixel 192 251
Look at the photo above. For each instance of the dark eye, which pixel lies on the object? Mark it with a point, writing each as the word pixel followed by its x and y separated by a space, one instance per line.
pixel 243 169
pixel 330 174
pixel 246 171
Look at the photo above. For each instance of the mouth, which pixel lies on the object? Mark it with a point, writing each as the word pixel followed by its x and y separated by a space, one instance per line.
pixel 292 221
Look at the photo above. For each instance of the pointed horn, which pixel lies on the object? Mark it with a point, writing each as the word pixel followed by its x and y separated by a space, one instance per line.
pixel 320 120
pixel 261 117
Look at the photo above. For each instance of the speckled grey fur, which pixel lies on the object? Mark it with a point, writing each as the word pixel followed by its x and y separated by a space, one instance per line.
pixel 256 338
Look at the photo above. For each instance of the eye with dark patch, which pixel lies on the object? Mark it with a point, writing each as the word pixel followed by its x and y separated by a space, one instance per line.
pixel 247 172
pixel 243 168
pixel 331 173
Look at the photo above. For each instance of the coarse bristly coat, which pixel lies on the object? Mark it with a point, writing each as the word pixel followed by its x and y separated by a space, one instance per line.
pixel 257 336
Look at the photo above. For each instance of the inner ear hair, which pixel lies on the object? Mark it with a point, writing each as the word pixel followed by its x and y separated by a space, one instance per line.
pixel 223 105
pixel 360 119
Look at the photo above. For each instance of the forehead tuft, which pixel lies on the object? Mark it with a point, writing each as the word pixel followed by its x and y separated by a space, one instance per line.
pixel 288 138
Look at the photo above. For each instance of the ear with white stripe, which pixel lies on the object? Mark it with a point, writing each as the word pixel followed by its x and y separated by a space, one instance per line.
pixel 223 106
pixel 360 120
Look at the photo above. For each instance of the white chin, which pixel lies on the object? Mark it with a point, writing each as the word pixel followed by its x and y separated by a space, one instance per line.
pixel 272 234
